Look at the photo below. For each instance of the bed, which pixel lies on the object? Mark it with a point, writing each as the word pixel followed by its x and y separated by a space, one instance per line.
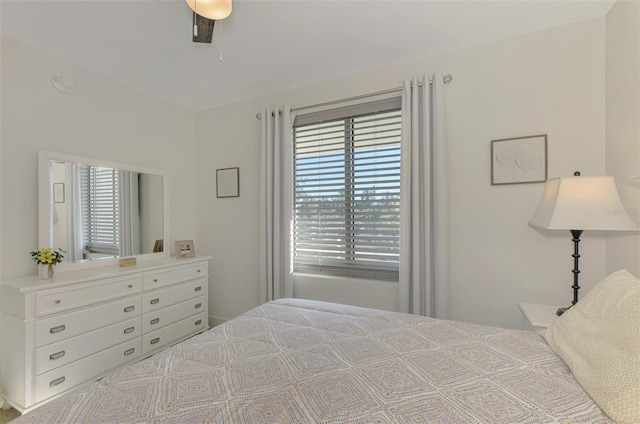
pixel 302 361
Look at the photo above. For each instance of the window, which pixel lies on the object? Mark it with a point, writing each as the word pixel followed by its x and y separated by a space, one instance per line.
pixel 99 188
pixel 346 194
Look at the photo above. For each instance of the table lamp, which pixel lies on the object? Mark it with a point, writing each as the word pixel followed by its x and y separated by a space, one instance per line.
pixel 577 204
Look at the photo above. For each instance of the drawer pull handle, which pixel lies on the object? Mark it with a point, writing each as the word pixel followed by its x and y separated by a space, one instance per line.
pixel 129 330
pixel 155 280
pixel 130 286
pixel 156 340
pixel 56 355
pixel 154 321
pixel 154 301
pixel 198 288
pixel 198 322
pixel 58 301
pixel 57 381
pixel 198 270
pixel 129 351
pixel 197 305
pixel 129 308
pixel 57 329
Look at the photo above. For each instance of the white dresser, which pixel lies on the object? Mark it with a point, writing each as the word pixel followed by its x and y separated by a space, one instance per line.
pixel 58 334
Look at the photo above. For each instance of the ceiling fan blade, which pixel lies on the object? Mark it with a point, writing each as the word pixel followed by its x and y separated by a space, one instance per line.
pixel 205 29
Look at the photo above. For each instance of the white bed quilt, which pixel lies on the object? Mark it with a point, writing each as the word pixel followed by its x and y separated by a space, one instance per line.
pixel 300 361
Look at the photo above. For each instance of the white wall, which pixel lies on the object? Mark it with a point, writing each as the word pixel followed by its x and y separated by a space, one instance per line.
pixel 104 120
pixel 623 125
pixel 546 82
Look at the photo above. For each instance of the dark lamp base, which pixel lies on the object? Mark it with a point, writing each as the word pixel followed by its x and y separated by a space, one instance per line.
pixel 561 311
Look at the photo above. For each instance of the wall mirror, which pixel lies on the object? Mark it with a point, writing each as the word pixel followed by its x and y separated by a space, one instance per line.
pixel 98 211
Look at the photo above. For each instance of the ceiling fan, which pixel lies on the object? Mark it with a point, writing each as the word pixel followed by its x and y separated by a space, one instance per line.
pixel 205 15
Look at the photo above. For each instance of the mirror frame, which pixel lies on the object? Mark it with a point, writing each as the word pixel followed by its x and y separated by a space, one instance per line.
pixel 45 205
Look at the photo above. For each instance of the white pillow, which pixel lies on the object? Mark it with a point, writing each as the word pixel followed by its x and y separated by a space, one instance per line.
pixel 599 339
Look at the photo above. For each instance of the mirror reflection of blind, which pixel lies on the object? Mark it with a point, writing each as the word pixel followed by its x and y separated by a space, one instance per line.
pixel 99 188
pixel 347 193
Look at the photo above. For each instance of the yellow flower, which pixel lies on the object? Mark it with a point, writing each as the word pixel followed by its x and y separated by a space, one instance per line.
pixel 47 255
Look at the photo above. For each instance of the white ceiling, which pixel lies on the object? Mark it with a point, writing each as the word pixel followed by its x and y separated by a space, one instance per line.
pixel 268 46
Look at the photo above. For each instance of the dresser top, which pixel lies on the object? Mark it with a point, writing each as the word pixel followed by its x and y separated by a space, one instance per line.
pixel 34 283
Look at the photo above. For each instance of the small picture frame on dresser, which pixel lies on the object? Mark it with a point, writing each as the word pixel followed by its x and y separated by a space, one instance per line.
pixel 158 246
pixel 185 249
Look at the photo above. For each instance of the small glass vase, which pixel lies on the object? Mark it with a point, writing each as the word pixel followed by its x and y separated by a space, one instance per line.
pixel 47 271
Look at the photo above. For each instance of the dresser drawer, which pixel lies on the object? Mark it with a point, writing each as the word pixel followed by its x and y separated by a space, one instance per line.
pixel 53 301
pixel 68 376
pixel 174 332
pixel 163 317
pixel 153 280
pixel 61 353
pixel 162 298
pixel 54 329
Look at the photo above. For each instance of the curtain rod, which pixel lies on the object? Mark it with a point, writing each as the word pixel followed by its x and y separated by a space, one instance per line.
pixel 446 79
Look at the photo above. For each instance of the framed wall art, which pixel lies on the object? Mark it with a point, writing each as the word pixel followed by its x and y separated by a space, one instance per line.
pixel 519 160
pixel 228 182
pixel 58 192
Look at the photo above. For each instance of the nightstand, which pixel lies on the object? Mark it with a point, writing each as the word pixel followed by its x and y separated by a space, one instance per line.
pixel 537 317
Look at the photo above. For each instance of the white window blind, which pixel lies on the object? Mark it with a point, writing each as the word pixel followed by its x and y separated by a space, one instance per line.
pixel 99 188
pixel 347 191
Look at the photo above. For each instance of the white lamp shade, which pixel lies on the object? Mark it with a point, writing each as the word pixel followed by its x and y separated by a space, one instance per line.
pixel 582 203
pixel 211 9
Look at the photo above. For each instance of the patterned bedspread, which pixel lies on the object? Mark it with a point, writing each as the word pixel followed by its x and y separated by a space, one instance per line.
pixel 299 361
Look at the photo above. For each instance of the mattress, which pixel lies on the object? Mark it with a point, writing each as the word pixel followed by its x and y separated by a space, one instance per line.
pixel 301 361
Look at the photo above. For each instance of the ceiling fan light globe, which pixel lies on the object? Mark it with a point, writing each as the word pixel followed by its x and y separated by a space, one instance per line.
pixel 211 9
